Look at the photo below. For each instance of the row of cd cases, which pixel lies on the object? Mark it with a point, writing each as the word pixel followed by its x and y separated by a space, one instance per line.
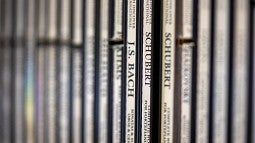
pixel 127 71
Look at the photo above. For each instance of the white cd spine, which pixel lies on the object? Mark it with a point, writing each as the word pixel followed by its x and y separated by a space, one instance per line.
pixel 146 70
pixel 131 76
pixel 168 68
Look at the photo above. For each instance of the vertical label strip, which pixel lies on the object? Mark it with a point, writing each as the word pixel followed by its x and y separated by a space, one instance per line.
pixel 117 87
pixel 186 92
pixel 146 70
pixel 131 70
pixel 168 60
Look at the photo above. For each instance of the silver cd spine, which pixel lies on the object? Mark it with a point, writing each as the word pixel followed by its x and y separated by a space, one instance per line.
pixel 19 93
pixel 240 70
pixel 221 71
pixel 51 83
pixel 6 94
pixel 117 90
pixel 203 70
pixel 76 94
pixel 63 76
pixel 29 91
pixel 40 92
pixel 40 71
pixel 187 19
pixel 64 93
pixel 103 71
pixel 186 91
pixel 77 22
pixel 118 20
pixel 186 33
pixel 65 18
pixel 51 98
pixel 52 20
pixel 89 74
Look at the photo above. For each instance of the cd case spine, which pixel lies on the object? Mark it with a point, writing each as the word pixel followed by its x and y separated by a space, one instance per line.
pixel 186 91
pixel 220 71
pixel 116 92
pixel 203 70
pixel 146 33
pixel 76 69
pixel 168 68
pixel 131 75
pixel 103 70
pixel 240 71
pixel 89 72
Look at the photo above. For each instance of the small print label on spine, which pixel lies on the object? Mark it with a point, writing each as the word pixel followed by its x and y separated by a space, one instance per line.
pixel 117 87
pixel 168 60
pixel 103 68
pixel 186 91
pixel 131 71
pixel 146 69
